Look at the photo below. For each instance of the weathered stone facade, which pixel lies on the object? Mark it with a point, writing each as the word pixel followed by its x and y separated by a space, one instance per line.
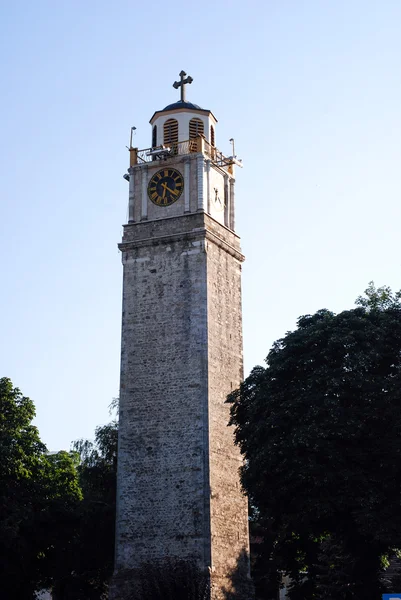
pixel 179 493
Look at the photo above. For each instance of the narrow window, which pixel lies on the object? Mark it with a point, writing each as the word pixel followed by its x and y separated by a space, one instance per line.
pixel 154 136
pixel 170 132
pixel 212 135
pixel 196 128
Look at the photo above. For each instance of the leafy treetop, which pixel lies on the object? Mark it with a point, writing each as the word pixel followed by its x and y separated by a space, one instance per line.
pixel 320 431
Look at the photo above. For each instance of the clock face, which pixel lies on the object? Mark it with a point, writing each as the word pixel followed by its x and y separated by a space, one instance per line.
pixel 165 187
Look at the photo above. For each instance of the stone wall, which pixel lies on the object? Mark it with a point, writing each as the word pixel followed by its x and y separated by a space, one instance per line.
pixel 229 511
pixel 178 485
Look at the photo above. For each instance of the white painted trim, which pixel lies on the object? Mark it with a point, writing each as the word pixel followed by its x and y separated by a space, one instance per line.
pixel 232 208
pixel 199 169
pixel 207 169
pixel 144 214
pixel 226 199
pixel 131 195
pixel 183 118
pixel 186 186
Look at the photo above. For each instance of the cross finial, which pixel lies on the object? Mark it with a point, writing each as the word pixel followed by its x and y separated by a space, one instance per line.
pixel 182 83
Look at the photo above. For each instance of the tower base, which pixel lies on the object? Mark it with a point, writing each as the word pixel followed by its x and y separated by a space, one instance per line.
pixel 175 583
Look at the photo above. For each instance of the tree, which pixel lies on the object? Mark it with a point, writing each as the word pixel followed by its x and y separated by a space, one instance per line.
pixel 320 431
pixel 89 564
pixel 38 496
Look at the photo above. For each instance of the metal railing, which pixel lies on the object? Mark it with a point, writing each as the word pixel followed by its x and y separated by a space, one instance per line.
pixel 198 144
pixel 158 152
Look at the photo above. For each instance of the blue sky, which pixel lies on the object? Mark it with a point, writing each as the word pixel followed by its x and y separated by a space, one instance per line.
pixel 309 89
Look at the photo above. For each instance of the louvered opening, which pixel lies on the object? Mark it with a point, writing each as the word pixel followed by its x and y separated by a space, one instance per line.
pixel 170 132
pixel 196 128
pixel 154 136
pixel 212 135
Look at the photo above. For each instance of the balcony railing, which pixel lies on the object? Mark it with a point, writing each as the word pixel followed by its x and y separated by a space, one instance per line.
pixel 198 144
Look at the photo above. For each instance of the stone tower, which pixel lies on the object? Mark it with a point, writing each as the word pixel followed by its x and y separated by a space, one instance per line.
pixel 179 494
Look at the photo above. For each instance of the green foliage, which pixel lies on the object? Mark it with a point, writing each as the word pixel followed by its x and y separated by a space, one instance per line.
pixel 334 571
pixel 57 511
pixel 89 563
pixel 320 430
pixel 38 496
pixel 380 298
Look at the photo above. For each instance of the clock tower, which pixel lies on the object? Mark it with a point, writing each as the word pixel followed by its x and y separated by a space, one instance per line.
pixel 178 488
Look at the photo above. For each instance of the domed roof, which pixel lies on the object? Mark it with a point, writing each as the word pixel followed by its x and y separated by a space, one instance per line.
pixel 182 104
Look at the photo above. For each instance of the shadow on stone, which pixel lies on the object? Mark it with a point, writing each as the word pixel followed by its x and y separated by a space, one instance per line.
pixel 175 579
pixel 240 586
pixel 172 579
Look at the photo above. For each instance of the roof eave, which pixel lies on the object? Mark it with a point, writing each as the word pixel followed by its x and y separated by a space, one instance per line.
pixel 183 109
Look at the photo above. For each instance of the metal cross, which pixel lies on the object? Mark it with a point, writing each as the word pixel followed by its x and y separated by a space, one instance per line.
pixel 182 83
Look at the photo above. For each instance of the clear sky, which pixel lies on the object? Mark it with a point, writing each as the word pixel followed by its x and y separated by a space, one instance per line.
pixel 309 89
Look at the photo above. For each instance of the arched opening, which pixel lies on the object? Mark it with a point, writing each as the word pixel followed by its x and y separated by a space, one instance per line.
pixel 154 136
pixel 170 132
pixel 212 135
pixel 196 128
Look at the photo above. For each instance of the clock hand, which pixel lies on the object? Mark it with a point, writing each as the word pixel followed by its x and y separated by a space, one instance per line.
pixel 164 193
pixel 165 186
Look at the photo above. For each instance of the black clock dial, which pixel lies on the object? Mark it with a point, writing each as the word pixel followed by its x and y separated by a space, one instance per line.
pixel 165 187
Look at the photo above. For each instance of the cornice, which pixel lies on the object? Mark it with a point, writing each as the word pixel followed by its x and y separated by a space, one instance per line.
pixel 198 234
pixel 224 245
pixel 199 111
